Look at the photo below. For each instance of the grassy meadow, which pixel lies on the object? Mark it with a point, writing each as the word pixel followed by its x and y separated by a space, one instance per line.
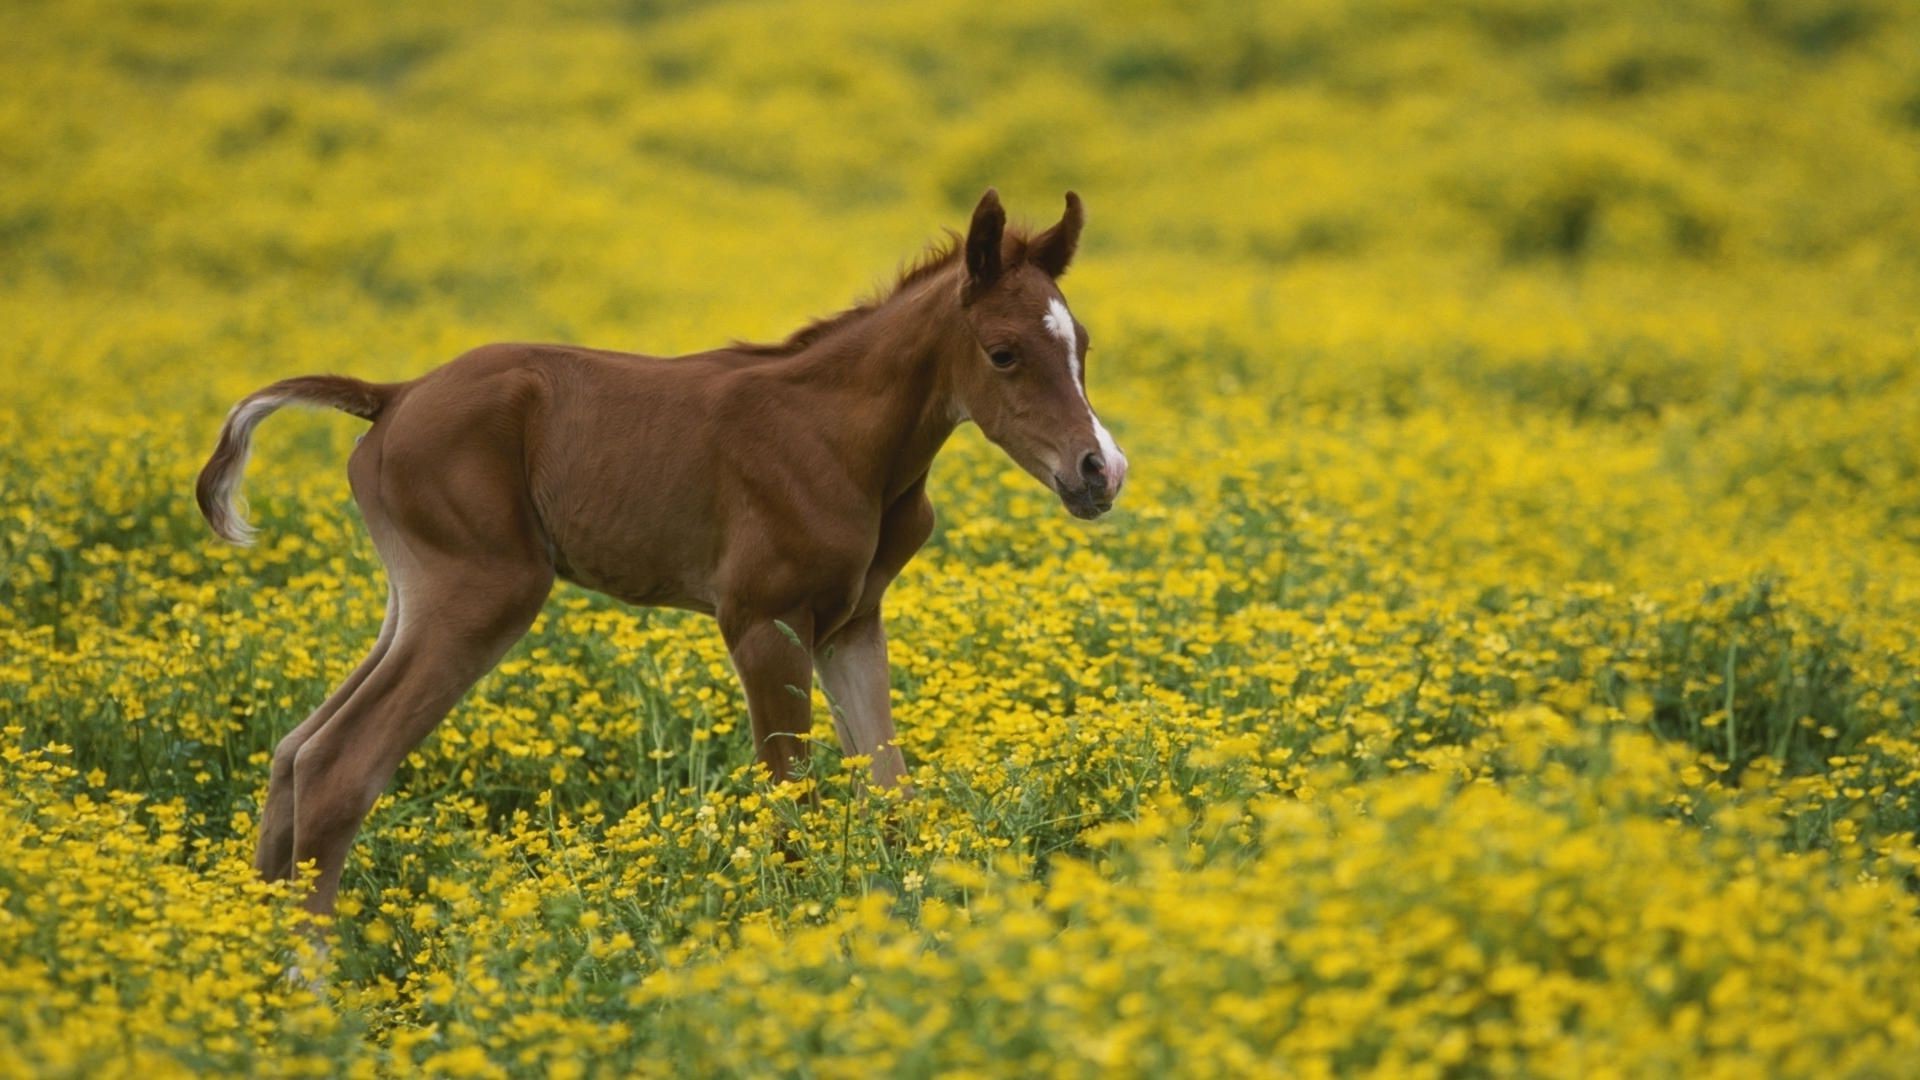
pixel 1504 661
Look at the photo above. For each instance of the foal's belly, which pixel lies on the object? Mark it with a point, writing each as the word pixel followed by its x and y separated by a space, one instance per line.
pixel 616 538
pixel 639 589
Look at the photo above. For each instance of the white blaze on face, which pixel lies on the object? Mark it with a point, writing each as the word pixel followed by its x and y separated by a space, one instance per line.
pixel 1060 323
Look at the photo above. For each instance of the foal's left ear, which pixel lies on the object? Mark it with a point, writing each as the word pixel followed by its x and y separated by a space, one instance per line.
pixel 1053 250
pixel 983 245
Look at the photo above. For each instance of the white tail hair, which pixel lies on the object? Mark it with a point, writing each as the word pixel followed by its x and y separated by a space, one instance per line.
pixel 218 490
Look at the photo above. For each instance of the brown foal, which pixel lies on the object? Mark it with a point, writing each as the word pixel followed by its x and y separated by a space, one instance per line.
pixel 776 487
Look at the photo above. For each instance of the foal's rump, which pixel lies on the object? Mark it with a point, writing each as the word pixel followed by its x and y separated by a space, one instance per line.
pixel 219 486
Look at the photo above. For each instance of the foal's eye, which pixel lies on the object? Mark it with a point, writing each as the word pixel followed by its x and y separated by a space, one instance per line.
pixel 1002 358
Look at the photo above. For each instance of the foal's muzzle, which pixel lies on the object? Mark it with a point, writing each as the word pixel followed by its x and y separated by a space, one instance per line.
pixel 1092 492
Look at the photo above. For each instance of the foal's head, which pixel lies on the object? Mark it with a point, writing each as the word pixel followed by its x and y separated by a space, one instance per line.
pixel 1025 385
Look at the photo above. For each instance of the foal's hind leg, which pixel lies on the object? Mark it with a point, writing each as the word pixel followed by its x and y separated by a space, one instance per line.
pixel 273 858
pixel 460 618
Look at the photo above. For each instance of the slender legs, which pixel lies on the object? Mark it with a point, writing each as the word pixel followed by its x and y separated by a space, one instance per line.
pixel 448 623
pixel 273 858
pixel 777 673
pixel 458 622
pixel 853 670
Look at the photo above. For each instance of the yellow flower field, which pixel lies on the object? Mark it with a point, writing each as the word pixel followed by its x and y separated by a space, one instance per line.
pixel 1504 661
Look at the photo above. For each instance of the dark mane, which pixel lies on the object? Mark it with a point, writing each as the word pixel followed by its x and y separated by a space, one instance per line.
pixel 936 257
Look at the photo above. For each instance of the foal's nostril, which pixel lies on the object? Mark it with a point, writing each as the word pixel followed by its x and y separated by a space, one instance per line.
pixel 1093 469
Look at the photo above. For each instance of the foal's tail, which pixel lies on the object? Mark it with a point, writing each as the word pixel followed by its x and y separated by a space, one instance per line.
pixel 219 487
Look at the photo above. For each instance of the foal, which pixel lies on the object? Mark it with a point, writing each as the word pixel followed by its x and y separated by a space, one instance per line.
pixel 775 487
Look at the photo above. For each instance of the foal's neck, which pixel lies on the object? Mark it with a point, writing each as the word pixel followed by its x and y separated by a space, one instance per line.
pixel 889 375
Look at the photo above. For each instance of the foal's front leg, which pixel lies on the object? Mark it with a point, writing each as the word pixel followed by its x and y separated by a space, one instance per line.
pixel 777 674
pixel 853 669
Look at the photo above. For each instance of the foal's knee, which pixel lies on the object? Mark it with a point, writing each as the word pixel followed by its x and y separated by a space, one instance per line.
pixel 328 796
pixel 280 773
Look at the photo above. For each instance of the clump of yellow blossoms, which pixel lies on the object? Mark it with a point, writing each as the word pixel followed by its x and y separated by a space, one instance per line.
pixel 1503 662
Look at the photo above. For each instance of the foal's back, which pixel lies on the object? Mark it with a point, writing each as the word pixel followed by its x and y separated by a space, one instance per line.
pixel 616 467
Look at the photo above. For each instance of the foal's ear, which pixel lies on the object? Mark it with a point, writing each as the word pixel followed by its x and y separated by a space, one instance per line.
pixel 983 244
pixel 1053 250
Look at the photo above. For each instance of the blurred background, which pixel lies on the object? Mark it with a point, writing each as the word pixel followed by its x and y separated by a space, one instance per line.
pixel 184 181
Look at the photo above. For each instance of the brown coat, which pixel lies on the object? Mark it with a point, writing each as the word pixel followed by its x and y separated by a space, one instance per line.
pixel 779 488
